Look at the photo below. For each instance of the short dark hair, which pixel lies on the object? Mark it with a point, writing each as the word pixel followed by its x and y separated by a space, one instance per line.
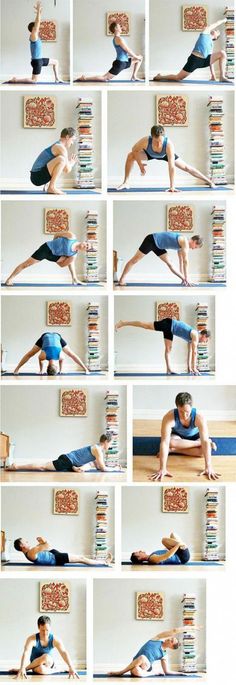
pixel 31 26
pixel 68 132
pixel 157 131
pixel 105 437
pixel 197 239
pixel 42 620
pixel 135 560
pixel 17 544
pixel 51 370
pixel 113 26
pixel 183 398
pixel 205 332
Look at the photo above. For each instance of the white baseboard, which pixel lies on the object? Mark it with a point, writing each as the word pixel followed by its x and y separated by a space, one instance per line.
pixel 210 414
pixel 57 278
pixel 141 368
pixel 148 181
pixel 148 277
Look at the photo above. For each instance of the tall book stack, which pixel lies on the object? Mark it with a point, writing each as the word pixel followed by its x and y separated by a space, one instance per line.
pixel 93 337
pixel 218 246
pixel 101 527
pixel 229 41
pixel 216 141
pixel 85 177
pixel 202 348
pixel 211 552
pixel 112 427
pixel 91 261
pixel 189 657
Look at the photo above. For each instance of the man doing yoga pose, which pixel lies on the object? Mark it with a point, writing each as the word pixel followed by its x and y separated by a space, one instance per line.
pixel 53 347
pixel 177 554
pixel 62 250
pixel 53 161
pixel 157 146
pixel 159 243
pixel 202 56
pixel 43 554
pixel 125 57
pixel 37 655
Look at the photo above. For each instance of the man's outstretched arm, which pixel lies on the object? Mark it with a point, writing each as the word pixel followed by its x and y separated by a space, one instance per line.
pixel 66 657
pixel 35 31
pixel 214 26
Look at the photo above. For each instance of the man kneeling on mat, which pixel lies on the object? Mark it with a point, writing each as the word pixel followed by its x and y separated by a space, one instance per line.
pixel 54 161
pixel 146 662
pixel 159 243
pixel 202 56
pixel 53 347
pixel 184 431
pixel 37 655
pixel 82 459
pixel 62 250
pixel 125 58
pixel 43 554
pixel 178 553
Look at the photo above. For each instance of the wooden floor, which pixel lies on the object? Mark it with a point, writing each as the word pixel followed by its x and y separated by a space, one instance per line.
pixel 56 570
pixel 175 681
pixel 51 477
pixel 42 678
pixel 177 569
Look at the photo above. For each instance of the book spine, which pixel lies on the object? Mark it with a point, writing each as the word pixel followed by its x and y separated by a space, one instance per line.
pixel 85 168
pixel 93 337
pixel 112 427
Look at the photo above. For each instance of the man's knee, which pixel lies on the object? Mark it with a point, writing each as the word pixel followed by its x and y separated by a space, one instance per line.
pixel 130 157
pixel 47 660
pixel 136 672
pixel 222 54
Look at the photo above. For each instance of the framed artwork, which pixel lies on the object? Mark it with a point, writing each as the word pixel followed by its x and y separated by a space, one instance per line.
pixel 172 110
pixel 73 402
pixel 58 313
pixel 166 310
pixel 194 17
pixel 149 606
pixel 56 220
pixel 124 20
pixel 54 597
pixel 66 502
pixel 180 218
pixel 39 112
pixel 48 31
pixel 175 500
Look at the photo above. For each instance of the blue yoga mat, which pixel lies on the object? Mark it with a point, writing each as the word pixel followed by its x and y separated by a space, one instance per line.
pixel 71 373
pixel 147 375
pixel 78 80
pixel 190 563
pixel 38 83
pixel 149 446
pixel 22 563
pixel 186 81
pixel 180 675
pixel 190 189
pixel 8 673
pixel 172 285
pixel 42 472
pixel 77 191
pixel 52 285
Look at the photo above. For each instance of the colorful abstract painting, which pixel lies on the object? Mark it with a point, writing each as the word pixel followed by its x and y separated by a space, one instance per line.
pixel 194 17
pixel 175 500
pixel 58 313
pixel 149 606
pixel 180 218
pixel 123 18
pixel 48 31
pixel 66 502
pixel 56 220
pixel 39 112
pixel 166 310
pixel 172 110
pixel 73 402
pixel 54 597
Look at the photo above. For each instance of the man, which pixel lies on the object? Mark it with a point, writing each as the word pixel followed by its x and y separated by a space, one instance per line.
pixel 36 49
pixel 202 56
pixel 82 459
pixel 37 655
pixel 53 348
pixel 125 57
pixel 170 328
pixel 43 554
pixel 53 161
pixel 177 553
pixel 157 146
pixel 62 249
pixel 184 431
pixel 159 243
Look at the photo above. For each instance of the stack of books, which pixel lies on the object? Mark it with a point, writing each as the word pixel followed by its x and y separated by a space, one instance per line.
pixel 112 427
pixel 101 527
pixel 189 657
pixel 211 552
pixel 93 337
pixel 85 144
pixel 216 141
pixel 203 347
pixel 218 246
pixel 91 262
pixel 229 43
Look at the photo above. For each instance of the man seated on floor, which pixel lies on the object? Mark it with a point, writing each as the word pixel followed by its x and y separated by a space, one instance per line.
pixel 177 553
pixel 43 554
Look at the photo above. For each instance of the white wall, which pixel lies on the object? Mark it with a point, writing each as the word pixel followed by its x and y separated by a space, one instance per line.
pixel 143 527
pixel 169 45
pixel 118 635
pixel 217 403
pixel 30 415
pixel 19 601
pixel 17 218
pixel 73 534
pixel 21 146
pixel 93 49
pixel 131 116
pixel 134 220
pixel 15 17
pixel 29 315
pixel 143 350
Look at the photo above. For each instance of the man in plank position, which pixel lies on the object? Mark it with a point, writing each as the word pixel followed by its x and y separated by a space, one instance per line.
pixel 159 243
pixel 43 554
pixel 177 553
pixel 125 58
pixel 51 348
pixel 202 56
pixel 157 146
pixel 38 653
pixel 54 161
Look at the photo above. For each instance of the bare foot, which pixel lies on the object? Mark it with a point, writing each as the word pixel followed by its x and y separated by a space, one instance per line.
pixel 213 78
pixel 211 184
pixel 227 80
pixel 158 77
pixel 55 191
pixel 124 186
pixel 135 78
pixel 121 282
pixel 118 325
pixel 213 445
pixel 9 281
pixel 81 78
pixel 12 467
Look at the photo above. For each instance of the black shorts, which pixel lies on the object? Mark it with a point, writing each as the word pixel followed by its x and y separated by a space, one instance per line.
pixel 149 245
pixel 37 65
pixel 165 327
pixel 118 65
pixel 188 437
pixel 63 463
pixel 184 555
pixel 161 159
pixel 194 62
pixel 40 177
pixel 61 557
pixel 44 252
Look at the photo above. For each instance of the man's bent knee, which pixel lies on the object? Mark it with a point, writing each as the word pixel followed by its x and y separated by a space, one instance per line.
pixel 222 54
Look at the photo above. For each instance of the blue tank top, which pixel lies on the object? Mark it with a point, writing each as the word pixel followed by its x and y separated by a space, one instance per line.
pixel 39 650
pixel 52 345
pixel 204 44
pixel 81 456
pixel 62 246
pixel 172 560
pixel 44 157
pixel 167 241
pixel 45 558
pixel 36 48
pixel 186 432
pixel 153 153
pixel 181 330
pixel 152 650
pixel 121 54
